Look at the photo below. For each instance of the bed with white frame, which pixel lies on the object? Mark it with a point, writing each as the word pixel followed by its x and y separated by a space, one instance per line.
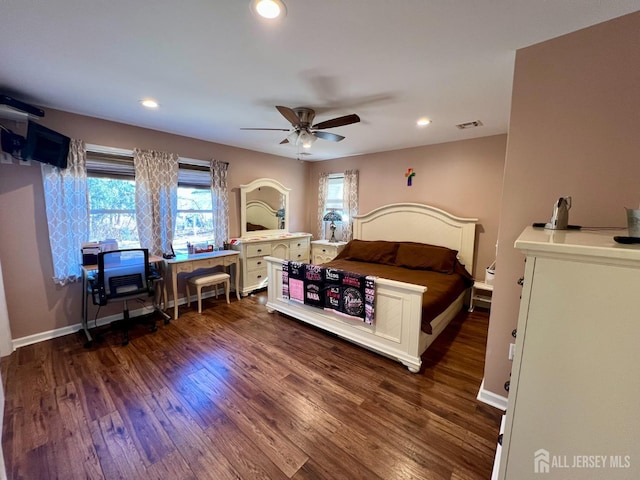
pixel 260 213
pixel 396 331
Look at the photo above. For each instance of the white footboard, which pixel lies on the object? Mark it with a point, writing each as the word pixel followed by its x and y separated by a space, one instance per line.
pixel 395 332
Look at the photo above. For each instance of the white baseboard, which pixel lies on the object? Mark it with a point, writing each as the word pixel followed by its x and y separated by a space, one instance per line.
pixel 60 332
pixel 491 398
pixel 495 473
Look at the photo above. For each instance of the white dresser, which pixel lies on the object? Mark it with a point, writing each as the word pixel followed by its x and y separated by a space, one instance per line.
pixel 290 246
pixel 323 251
pixel 574 398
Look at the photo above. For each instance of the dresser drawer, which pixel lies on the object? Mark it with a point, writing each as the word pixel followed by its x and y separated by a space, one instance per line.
pixel 230 260
pixel 299 255
pixel 256 277
pixel 211 262
pixel 256 263
pixel 183 267
pixel 259 250
pixel 323 251
pixel 302 243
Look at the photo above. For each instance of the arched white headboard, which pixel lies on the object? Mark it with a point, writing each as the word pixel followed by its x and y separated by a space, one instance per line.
pixel 415 222
pixel 261 213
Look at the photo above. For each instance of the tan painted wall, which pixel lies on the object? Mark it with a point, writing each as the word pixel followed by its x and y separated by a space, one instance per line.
pixel 464 178
pixel 573 131
pixel 35 304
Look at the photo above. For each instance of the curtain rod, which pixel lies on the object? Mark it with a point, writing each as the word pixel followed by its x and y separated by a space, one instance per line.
pixel 125 152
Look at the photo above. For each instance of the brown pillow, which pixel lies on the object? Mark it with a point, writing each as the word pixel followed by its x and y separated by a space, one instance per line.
pixel 374 251
pixel 422 256
pixel 252 227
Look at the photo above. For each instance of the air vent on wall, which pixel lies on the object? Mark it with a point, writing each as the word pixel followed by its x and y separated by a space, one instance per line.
pixel 475 123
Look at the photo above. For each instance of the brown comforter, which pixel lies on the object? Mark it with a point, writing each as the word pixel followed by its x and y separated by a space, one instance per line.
pixel 442 288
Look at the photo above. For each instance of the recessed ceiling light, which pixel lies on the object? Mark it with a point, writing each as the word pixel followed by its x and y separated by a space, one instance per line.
pixel 149 103
pixel 269 9
pixel 423 122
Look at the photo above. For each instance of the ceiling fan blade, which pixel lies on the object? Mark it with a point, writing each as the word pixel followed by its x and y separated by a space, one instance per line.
pixel 338 122
pixel 277 129
pixel 289 115
pixel 332 137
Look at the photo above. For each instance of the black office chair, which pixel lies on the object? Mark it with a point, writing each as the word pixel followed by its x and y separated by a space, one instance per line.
pixel 123 275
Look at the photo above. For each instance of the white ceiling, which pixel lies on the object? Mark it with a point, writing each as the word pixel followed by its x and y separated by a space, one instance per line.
pixel 216 67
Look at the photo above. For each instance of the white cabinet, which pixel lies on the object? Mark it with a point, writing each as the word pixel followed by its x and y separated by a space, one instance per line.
pixel 253 266
pixel 574 399
pixel 323 251
pixel 299 250
pixel 480 292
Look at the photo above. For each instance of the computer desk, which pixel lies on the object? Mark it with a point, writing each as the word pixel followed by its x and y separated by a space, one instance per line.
pixel 86 270
pixel 190 263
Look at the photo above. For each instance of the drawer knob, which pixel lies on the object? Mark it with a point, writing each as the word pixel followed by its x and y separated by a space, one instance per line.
pixel 259 263
pixel 259 250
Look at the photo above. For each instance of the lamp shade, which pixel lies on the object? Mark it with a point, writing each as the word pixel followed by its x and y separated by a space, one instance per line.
pixel 332 216
pixel 302 138
pixel 306 139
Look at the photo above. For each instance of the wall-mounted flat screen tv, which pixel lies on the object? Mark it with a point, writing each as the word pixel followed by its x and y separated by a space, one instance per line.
pixel 46 146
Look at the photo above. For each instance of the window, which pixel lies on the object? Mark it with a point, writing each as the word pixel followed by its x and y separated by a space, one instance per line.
pixel 335 189
pixel 112 210
pixel 334 201
pixel 194 222
pixel 112 199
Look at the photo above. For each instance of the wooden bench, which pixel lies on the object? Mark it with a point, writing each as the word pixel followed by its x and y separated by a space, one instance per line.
pixel 213 279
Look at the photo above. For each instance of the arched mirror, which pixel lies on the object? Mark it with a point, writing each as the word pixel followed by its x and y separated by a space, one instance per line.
pixel 264 208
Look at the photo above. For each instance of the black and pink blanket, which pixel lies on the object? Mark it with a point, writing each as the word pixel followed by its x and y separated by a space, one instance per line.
pixel 346 293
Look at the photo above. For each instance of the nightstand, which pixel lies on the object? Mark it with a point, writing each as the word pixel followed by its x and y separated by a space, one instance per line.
pixel 480 292
pixel 323 251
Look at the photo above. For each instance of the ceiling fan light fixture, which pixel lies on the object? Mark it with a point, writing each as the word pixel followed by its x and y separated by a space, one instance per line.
pixel 423 122
pixel 301 138
pixel 306 139
pixel 293 137
pixel 269 9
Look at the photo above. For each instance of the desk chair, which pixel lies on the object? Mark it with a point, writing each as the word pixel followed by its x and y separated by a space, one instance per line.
pixel 123 275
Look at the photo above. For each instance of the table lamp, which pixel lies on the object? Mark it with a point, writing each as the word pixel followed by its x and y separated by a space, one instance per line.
pixel 280 217
pixel 332 216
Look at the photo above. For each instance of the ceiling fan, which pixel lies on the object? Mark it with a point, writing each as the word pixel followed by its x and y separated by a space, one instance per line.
pixel 303 133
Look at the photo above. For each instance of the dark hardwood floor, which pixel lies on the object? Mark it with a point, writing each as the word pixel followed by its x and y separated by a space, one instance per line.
pixel 236 392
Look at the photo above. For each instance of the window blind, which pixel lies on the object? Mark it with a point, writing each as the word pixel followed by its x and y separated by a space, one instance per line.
pixel 191 172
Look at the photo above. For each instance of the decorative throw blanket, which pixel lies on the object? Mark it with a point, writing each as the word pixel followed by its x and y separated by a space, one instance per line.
pixel 349 294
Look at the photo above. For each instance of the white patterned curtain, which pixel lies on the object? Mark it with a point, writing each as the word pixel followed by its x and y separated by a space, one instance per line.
pixel 323 187
pixel 350 202
pixel 66 204
pixel 156 176
pixel 220 202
